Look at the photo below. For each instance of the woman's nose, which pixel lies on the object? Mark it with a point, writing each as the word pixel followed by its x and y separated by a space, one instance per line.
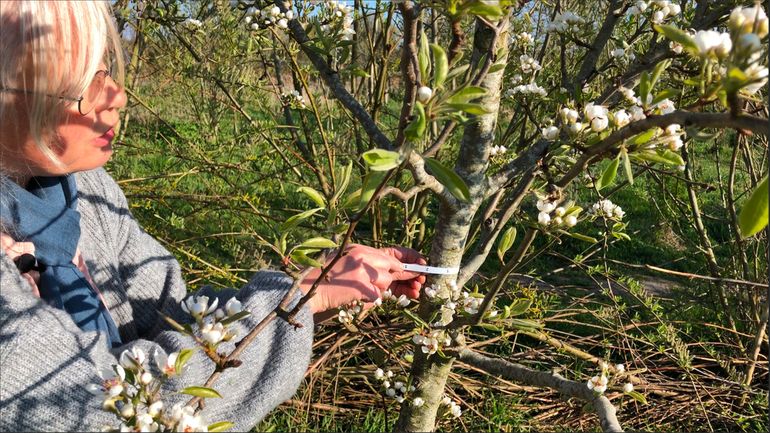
pixel 114 95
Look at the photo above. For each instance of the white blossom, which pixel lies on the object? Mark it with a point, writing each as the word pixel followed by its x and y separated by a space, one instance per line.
pixel 621 118
pixel 111 384
pixel 424 94
pixel 599 124
pixel 133 359
pixel 543 218
pixel 618 52
pixel 192 22
pixel 620 368
pixel 198 306
pixel 747 20
pixel 713 43
pixel 550 133
pixel 758 74
pixel 379 374
pixel 528 89
pixel 598 383
pixel 403 301
pixel 233 306
pixel 528 64
pixel 666 106
pixel 212 333
pixel 417 402
pixel 607 209
pixel 637 113
pixel 628 387
pixel 575 128
pixel 570 220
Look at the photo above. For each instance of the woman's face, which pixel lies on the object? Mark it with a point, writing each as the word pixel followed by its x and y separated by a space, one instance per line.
pixel 80 142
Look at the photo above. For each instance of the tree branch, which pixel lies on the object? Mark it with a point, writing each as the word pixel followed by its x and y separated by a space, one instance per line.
pixel 685 118
pixel 332 79
pixel 600 404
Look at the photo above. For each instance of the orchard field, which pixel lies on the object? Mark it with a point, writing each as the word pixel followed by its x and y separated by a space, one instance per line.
pixel 589 166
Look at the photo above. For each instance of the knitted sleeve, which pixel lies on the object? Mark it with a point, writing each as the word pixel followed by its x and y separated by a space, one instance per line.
pixel 46 362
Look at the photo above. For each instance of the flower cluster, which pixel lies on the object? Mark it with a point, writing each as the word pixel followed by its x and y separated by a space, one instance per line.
pixel 130 392
pixel 350 312
pixel 402 301
pixel 712 43
pixel 522 39
pixel 336 18
pixel 596 115
pixel 497 150
pixel 452 407
pixel 192 22
pixel 600 382
pixel 557 216
pixel 263 18
pixel 566 21
pixel 213 324
pixel 661 9
pixel 529 64
pixel 396 390
pixel 527 89
pixel 607 209
pixel 293 99
pixel 432 341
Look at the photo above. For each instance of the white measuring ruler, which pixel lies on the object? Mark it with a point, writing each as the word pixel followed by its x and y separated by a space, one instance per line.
pixel 430 269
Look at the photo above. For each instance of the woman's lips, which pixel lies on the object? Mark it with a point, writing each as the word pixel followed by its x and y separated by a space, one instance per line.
pixel 106 138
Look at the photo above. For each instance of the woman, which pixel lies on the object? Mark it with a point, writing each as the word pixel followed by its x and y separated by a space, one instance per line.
pixel 81 281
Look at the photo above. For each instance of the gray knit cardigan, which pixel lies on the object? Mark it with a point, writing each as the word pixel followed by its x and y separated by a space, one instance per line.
pixel 46 362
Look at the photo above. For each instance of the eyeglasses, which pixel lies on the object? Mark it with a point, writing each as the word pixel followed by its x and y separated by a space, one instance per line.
pixel 87 102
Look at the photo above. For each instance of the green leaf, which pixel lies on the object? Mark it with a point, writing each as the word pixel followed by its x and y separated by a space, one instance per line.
pixel 644 88
pixel 344 180
pixel 416 129
pixel 525 324
pixel 449 179
pixel 440 66
pixel 370 183
pixel 665 157
pixel 659 68
pixel 236 317
pixel 665 94
pixel 608 177
pixel 479 8
pixel 579 237
pixel 637 396
pixel 415 318
pixel 457 71
pixel 490 327
pixel 677 35
pixel 627 165
pixel 474 109
pixel 295 220
pixel 381 159
pixel 423 57
pixel 496 67
pixel 300 257
pixel 220 426
pixel 642 138
pixel 318 242
pixel 358 72
pixel 753 216
pixel 313 195
pixel 519 307
pixel 201 391
pixel 182 358
pixel 466 94
pixel 506 242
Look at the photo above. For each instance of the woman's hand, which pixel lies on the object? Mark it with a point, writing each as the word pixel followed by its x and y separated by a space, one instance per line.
pixel 362 274
pixel 16 249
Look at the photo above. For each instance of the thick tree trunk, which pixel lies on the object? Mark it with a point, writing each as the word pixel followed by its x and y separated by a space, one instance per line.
pixel 429 373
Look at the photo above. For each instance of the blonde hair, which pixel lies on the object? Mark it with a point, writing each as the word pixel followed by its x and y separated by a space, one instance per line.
pixel 50 49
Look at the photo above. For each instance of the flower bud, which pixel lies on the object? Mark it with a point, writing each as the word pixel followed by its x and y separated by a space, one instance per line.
pixel 551 133
pixel 628 387
pixel 127 411
pixel 424 94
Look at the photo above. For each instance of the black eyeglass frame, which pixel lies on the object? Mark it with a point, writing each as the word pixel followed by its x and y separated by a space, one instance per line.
pixel 105 72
